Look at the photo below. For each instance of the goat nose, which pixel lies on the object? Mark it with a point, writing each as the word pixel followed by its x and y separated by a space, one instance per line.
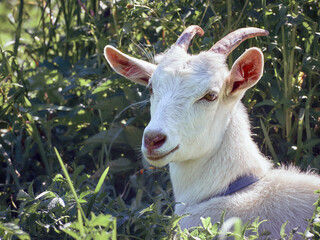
pixel 154 140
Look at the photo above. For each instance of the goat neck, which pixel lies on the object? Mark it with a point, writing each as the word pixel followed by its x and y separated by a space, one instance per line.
pixel 199 179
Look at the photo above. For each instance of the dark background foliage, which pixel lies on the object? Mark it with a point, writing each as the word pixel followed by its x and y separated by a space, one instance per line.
pixel 57 91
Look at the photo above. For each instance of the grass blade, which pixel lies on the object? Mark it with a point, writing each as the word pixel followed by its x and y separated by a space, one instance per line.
pixel 96 190
pixel 18 31
pixel 65 172
pixel 299 137
pixel 10 167
pixel 268 141
pixel 81 226
pixel 307 112
pixel 33 130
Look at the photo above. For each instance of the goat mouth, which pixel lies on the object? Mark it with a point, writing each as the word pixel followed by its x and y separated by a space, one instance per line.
pixel 156 157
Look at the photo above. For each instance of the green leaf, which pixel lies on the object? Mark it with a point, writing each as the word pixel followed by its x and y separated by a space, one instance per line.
pixel 70 232
pixel 77 171
pixel 49 107
pixel 120 165
pixel 22 195
pixel 265 103
pixel 84 194
pixel 268 141
pixel 30 190
pixel 311 143
pixel 100 220
pixel 283 229
pixel 103 87
pixel 101 180
pixel 148 209
pixel 53 203
pixel 12 228
pixel 97 190
pixel 206 222
pixel 45 193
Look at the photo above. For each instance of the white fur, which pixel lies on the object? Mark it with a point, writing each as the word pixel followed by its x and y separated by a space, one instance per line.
pixel 214 146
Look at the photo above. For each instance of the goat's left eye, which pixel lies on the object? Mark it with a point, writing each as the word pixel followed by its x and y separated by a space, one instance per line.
pixel 210 96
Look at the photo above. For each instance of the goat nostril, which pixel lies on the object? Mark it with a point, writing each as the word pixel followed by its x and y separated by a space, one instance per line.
pixel 154 140
pixel 159 141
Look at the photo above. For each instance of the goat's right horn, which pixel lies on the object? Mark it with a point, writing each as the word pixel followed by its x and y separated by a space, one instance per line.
pixel 227 44
pixel 185 37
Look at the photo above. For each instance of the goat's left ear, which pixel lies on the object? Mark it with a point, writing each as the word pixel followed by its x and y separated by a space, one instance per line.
pixel 245 72
pixel 131 68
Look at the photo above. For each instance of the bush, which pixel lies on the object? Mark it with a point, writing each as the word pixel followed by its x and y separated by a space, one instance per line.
pixel 60 101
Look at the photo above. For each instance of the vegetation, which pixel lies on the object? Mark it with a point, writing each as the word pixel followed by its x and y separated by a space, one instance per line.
pixel 70 128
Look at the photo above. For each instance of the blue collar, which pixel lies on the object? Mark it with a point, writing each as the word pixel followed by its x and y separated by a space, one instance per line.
pixel 240 183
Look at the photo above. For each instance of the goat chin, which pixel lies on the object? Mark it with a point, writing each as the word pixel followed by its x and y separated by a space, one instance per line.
pixel 201 129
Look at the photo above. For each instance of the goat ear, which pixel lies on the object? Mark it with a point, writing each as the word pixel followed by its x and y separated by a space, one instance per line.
pixel 245 72
pixel 131 68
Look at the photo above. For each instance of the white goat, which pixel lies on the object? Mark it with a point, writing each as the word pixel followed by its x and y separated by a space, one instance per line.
pixel 201 129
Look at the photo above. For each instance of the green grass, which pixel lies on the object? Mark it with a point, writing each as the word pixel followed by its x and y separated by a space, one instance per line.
pixel 70 128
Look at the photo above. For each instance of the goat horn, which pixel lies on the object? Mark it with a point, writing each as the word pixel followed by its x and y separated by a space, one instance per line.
pixel 185 37
pixel 227 44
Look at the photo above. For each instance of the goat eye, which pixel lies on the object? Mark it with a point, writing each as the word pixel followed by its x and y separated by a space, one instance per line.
pixel 210 96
